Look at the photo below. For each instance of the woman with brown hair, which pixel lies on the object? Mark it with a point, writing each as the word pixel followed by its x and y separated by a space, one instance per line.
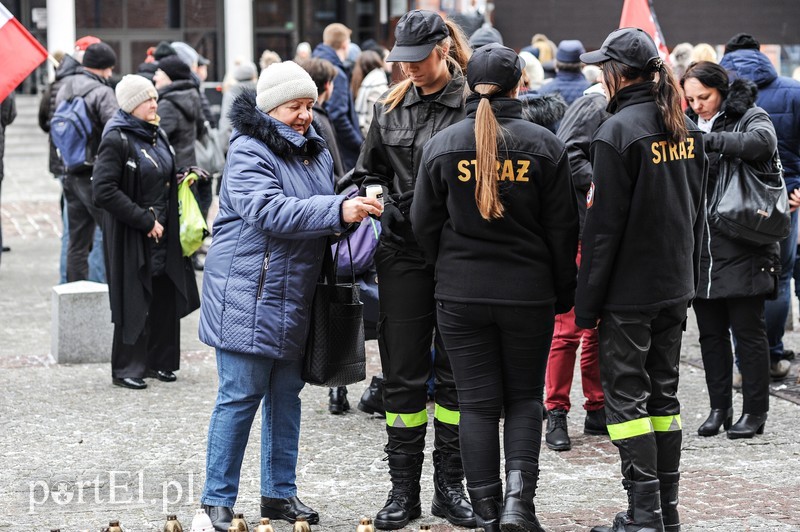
pixel 432 54
pixel 494 194
pixel 368 85
pixel 640 251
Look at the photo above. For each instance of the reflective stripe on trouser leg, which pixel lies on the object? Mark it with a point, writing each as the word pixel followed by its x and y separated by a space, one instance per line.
pixel 412 420
pixel 666 423
pixel 445 415
pixel 630 429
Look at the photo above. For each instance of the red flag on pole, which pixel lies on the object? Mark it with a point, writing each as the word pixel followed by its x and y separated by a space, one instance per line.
pixel 20 53
pixel 640 14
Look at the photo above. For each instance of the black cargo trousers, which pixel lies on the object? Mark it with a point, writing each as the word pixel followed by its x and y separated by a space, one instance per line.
pixel 639 356
pixel 406 326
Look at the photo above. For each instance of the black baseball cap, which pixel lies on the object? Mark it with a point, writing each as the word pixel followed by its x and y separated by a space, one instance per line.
pixel 416 35
pixel 630 46
pixel 494 64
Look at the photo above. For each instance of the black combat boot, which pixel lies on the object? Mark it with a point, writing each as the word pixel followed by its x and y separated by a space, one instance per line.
pixel 403 503
pixel 449 499
pixel 644 509
pixel 372 399
pixel 519 512
pixel 487 503
pixel 669 500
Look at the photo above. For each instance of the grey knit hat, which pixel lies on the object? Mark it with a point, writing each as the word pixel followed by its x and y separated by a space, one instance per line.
pixel 282 82
pixel 132 90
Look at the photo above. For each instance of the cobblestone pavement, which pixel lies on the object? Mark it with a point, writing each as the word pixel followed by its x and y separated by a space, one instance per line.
pixel 78 452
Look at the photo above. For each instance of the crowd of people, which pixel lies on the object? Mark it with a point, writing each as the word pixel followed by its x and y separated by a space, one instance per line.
pixel 556 166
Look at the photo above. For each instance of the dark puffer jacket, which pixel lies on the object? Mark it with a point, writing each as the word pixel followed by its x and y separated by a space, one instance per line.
pixel 181 114
pixel 780 97
pixel 729 268
pixel 276 211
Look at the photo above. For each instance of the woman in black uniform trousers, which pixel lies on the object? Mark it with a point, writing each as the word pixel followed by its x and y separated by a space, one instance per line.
pixel 432 53
pixel 495 211
pixel 639 267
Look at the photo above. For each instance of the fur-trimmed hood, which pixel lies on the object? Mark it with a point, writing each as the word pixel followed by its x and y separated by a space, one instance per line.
pixel 741 97
pixel 282 140
pixel 543 109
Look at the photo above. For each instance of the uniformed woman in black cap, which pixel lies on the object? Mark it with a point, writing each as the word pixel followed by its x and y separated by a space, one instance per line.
pixel 432 54
pixel 494 209
pixel 639 267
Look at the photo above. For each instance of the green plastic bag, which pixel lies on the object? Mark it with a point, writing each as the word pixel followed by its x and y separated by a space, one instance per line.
pixel 193 226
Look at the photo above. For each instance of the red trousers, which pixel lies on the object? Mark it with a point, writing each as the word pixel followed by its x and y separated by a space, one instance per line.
pixel 567 338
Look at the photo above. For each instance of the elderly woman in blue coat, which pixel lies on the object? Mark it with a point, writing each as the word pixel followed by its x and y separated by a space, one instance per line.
pixel 277 210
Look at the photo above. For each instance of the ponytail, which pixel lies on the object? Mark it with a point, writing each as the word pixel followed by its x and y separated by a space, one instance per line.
pixel 665 90
pixel 457 58
pixel 668 99
pixel 487 196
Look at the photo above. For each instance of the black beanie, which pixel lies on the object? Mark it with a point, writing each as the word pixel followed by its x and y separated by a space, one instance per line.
pixel 175 68
pixel 163 50
pixel 100 56
pixel 742 41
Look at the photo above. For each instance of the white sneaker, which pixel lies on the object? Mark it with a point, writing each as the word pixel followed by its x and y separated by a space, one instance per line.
pixel 779 369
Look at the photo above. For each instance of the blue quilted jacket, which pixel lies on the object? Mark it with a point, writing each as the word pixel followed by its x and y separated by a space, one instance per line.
pixel 780 97
pixel 276 210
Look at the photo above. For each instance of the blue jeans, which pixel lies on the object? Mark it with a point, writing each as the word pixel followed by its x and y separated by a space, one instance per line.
pixel 97 267
pixel 777 310
pixel 245 381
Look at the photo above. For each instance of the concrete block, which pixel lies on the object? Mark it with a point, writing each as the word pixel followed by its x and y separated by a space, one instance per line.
pixel 81 328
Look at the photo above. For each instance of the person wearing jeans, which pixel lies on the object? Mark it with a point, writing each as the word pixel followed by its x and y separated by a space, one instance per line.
pixel 777 310
pixel 276 211
pixel 245 382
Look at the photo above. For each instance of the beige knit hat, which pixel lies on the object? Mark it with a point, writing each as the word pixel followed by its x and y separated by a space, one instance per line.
pixel 282 82
pixel 133 90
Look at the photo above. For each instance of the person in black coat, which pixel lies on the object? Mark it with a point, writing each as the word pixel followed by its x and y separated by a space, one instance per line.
pixel 151 284
pixel 735 277
pixel 494 194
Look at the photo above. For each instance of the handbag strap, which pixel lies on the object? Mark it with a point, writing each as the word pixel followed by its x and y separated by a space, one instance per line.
pixel 336 260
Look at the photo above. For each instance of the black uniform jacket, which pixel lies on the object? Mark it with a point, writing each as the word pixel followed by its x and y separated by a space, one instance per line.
pixel 393 149
pixel 644 224
pixel 527 257
pixel 127 196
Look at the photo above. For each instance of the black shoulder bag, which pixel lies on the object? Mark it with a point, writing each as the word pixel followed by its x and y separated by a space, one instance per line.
pixel 335 354
pixel 750 203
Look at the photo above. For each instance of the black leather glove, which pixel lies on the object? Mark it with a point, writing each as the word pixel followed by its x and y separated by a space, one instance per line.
pixel 403 202
pixel 391 217
pixel 712 142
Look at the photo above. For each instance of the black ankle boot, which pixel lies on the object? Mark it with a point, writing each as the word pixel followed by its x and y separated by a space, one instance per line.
pixel 669 500
pixel 487 503
pixel 403 503
pixel 221 517
pixel 719 417
pixel 288 509
pixel 748 426
pixel 519 512
pixel 449 499
pixel 556 435
pixel 372 400
pixel 337 400
pixel 644 509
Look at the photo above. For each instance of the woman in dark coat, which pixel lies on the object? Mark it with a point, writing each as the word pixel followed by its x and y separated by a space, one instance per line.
pixel 151 284
pixel 735 277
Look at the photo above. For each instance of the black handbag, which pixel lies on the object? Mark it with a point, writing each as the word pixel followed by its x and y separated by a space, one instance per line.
pixel 335 353
pixel 750 203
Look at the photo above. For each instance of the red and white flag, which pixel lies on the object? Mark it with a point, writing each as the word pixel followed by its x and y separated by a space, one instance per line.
pixel 20 53
pixel 640 14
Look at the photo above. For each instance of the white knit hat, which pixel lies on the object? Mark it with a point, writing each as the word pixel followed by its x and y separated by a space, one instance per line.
pixel 282 82
pixel 133 90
